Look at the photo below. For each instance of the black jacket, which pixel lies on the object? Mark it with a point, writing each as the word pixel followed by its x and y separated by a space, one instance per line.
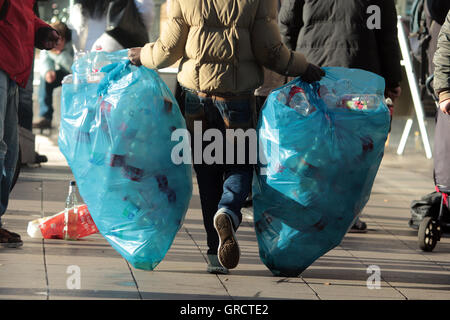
pixel 336 33
pixel 438 10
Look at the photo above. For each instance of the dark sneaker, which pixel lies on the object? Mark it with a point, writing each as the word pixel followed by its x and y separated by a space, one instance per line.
pixel 358 227
pixel 43 124
pixel 9 239
pixel 40 158
pixel 214 265
pixel 248 202
pixel 228 252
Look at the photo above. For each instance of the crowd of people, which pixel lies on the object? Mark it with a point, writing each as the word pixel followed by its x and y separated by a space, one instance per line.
pixel 230 56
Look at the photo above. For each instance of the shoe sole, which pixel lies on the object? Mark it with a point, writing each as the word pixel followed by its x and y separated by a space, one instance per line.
pixel 11 245
pixel 228 252
pixel 357 231
pixel 217 270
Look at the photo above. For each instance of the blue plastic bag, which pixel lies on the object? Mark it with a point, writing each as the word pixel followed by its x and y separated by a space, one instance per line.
pixel 318 166
pixel 116 137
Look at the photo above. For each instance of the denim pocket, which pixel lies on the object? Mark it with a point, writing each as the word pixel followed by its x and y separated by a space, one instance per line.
pixel 237 114
pixel 193 104
pixel 194 110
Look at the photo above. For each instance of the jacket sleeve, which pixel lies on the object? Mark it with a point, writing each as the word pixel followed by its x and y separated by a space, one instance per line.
pixel 268 47
pixel 169 48
pixel 290 21
pixel 38 23
pixel 442 62
pixel 438 10
pixel 4 5
pixel 387 44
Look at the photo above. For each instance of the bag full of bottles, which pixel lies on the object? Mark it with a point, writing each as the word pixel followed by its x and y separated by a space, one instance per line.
pixel 116 126
pixel 320 149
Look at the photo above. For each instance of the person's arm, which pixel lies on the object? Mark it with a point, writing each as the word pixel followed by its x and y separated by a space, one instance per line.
pixel 290 21
pixel 268 48
pixel 45 37
pixel 169 48
pixel 442 67
pixel 46 63
pixel 388 46
pixel 65 58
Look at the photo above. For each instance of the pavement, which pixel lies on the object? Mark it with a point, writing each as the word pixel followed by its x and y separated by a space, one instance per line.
pixel 91 269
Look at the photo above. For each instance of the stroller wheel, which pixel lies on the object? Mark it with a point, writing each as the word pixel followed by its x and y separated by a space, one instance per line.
pixel 428 234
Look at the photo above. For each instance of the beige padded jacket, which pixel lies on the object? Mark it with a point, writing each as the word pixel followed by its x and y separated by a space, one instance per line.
pixel 223 45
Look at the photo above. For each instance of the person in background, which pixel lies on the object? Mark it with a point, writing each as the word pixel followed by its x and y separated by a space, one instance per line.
pixel 88 21
pixel 20 32
pixel 442 69
pixel 272 80
pixel 442 88
pixel 336 33
pixel 223 51
pixel 435 12
pixel 54 66
pixel 25 109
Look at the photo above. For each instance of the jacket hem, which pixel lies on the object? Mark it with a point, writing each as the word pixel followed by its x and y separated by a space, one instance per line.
pixel 444 95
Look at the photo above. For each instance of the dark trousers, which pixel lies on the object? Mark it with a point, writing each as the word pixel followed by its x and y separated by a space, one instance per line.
pixel 9 137
pixel 46 94
pixel 223 186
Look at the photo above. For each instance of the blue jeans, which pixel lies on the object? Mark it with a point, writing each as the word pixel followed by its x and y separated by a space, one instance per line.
pixel 25 109
pixel 222 187
pixel 9 139
pixel 46 94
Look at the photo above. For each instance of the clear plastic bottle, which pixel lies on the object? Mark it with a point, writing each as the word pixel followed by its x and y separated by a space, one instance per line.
pixel 360 101
pixel 330 100
pixel 283 97
pixel 99 60
pixel 71 213
pixel 300 104
pixel 80 67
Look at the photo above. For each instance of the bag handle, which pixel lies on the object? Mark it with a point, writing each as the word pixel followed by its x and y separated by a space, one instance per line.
pixel 113 73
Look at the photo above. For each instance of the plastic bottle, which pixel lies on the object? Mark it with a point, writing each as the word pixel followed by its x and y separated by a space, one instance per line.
pixel 99 60
pixel 135 161
pixel 80 67
pixel 330 100
pixel 342 86
pixel 299 104
pixel 360 101
pixel 299 101
pixel 71 213
pixel 282 97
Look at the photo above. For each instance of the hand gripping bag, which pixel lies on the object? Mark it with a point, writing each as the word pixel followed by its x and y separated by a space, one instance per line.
pixel 116 137
pixel 318 160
